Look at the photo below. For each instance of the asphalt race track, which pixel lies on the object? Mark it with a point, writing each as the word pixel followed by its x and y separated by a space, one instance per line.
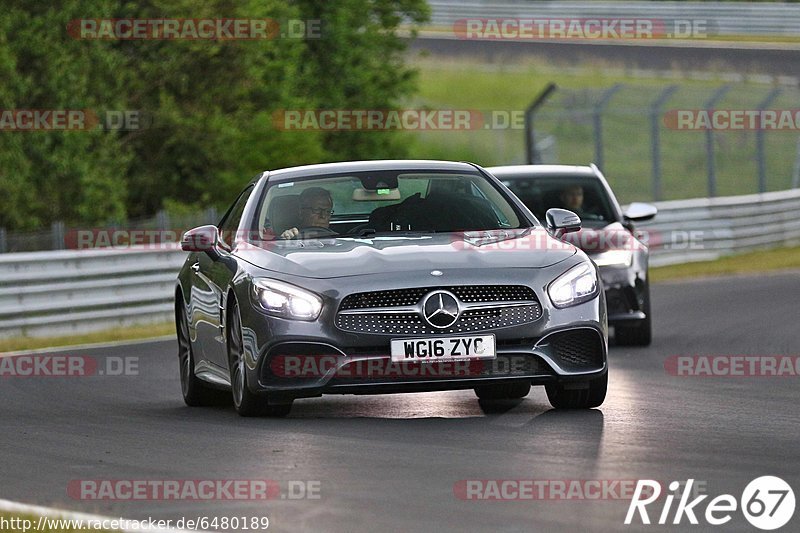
pixel 392 462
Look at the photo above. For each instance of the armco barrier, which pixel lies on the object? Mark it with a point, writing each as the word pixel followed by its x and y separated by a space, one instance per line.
pixel 63 292
pixel 68 292
pixel 699 229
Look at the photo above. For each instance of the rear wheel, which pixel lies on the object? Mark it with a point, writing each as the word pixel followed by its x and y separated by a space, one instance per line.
pixel 503 391
pixel 245 401
pixel 195 392
pixel 641 332
pixel 569 396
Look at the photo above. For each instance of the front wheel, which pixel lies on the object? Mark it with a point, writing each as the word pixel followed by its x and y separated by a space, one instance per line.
pixel 639 333
pixel 245 401
pixel 195 392
pixel 568 396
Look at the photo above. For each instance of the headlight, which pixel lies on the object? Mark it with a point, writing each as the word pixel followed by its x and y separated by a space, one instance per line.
pixel 576 285
pixel 286 301
pixel 619 258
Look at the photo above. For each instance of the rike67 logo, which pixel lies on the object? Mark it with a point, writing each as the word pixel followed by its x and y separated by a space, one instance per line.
pixel 767 503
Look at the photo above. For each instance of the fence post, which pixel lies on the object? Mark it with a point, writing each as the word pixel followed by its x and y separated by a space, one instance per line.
pixel 3 242
pixel 761 158
pixel 655 137
pixel 597 119
pixel 213 215
pixel 709 107
pixel 162 220
pixel 531 155
pixel 796 171
pixel 57 235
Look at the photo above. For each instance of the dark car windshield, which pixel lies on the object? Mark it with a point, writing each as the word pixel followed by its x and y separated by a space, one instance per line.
pixel 584 196
pixel 368 203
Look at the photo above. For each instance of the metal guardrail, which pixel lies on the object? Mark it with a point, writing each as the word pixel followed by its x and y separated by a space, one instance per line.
pixel 67 292
pixel 724 18
pixel 702 229
pixel 45 294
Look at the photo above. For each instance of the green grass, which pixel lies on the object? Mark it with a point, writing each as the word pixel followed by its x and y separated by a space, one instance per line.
pixel 17 527
pixel 110 335
pixel 626 125
pixel 746 263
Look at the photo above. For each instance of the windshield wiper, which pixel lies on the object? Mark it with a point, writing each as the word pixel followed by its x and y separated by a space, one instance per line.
pixel 366 232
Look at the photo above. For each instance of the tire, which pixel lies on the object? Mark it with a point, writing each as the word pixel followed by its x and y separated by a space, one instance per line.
pixel 639 333
pixel 195 392
pixel 245 401
pixel 503 391
pixel 593 395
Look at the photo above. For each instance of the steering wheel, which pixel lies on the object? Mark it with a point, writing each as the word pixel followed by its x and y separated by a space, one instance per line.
pixel 313 232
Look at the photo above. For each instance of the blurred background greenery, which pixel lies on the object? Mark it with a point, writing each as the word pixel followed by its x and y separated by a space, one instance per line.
pixel 209 105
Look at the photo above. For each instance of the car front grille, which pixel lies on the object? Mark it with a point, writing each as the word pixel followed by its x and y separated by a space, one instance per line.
pixel 499 306
pixel 465 293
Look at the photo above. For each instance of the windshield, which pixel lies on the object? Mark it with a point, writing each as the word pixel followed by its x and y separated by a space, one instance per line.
pixel 584 196
pixel 362 204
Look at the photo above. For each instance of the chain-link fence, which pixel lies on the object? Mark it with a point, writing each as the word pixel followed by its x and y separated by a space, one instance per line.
pixel 666 141
pixel 164 228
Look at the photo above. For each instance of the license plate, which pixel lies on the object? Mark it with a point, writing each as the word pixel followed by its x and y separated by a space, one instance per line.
pixel 443 349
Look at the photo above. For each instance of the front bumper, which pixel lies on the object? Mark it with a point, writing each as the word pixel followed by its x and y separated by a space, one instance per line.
pixel 624 291
pixel 304 359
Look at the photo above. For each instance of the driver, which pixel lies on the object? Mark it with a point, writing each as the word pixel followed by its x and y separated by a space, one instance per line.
pixel 316 208
pixel 572 199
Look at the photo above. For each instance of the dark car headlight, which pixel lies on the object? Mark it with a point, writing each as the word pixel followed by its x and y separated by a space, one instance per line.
pixel 576 285
pixel 286 301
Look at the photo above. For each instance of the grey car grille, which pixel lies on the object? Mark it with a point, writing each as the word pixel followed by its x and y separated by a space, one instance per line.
pixel 398 312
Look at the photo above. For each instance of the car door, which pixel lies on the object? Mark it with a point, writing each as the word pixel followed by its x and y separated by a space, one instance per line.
pixel 216 274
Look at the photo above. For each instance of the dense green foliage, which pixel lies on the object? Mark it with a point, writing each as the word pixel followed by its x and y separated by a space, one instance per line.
pixel 207 105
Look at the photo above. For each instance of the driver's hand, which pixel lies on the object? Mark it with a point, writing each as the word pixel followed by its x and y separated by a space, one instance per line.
pixel 290 233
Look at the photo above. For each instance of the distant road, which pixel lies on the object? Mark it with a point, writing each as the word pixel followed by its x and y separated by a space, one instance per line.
pixel 749 58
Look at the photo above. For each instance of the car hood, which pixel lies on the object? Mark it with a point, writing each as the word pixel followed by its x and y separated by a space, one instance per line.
pixel 340 257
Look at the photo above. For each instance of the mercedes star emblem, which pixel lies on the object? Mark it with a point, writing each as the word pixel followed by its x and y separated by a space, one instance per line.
pixel 440 309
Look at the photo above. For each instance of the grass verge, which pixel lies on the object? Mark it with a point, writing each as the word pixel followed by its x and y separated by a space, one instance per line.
pixel 25 523
pixel 110 335
pixel 746 263
pixel 500 91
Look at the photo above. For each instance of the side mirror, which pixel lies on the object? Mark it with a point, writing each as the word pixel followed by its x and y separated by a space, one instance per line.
pixel 639 212
pixel 561 221
pixel 202 239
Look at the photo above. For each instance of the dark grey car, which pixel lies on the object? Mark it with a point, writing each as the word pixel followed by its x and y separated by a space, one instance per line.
pixel 382 277
pixel 608 236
